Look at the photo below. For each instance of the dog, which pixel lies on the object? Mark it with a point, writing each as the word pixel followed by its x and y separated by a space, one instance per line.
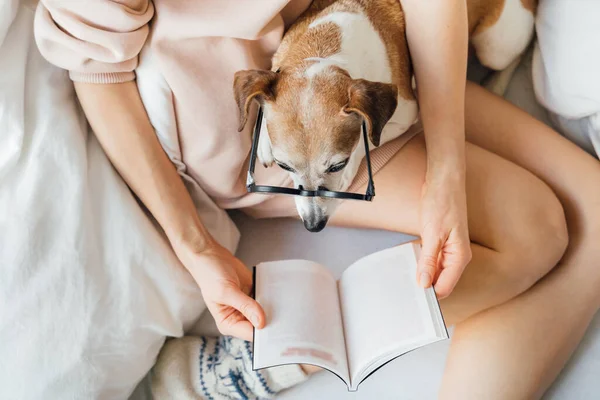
pixel 347 61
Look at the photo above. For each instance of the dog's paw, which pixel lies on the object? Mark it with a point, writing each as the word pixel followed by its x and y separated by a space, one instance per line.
pixel 264 151
pixel 266 160
pixel 497 82
pixel 265 164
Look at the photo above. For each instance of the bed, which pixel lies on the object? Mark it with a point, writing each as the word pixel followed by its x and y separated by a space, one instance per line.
pixel 89 288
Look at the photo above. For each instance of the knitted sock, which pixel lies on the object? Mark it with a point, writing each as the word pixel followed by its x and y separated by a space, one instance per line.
pixel 215 369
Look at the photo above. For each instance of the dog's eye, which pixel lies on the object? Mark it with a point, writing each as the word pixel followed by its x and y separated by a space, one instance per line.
pixel 337 167
pixel 285 166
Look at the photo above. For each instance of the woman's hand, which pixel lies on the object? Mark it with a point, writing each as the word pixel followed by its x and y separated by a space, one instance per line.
pixel 445 239
pixel 225 283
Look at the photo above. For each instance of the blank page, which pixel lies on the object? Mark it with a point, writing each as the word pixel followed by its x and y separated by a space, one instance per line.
pixel 304 324
pixel 383 308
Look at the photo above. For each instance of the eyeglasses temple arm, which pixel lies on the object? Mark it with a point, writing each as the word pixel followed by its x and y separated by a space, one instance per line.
pixel 370 185
pixel 254 149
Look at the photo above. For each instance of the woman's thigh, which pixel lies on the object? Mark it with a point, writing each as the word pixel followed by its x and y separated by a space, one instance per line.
pixel 509 208
pixel 498 126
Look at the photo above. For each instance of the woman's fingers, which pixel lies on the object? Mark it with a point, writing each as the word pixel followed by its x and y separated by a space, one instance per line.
pixel 244 275
pixel 428 262
pixel 241 329
pixel 246 305
pixel 246 283
pixel 455 257
pixel 237 314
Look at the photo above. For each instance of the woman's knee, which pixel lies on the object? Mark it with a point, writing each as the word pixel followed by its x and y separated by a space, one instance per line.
pixel 585 249
pixel 539 238
pixel 549 237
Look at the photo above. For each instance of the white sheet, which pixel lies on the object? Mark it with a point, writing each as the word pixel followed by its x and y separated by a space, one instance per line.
pixel 88 287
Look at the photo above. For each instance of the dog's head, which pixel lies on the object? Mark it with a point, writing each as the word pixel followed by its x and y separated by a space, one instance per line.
pixel 314 127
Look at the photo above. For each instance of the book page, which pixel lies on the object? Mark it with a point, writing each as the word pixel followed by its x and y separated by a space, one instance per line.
pixel 383 308
pixel 304 323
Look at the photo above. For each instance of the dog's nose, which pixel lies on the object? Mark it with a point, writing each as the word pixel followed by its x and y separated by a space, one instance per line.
pixel 315 225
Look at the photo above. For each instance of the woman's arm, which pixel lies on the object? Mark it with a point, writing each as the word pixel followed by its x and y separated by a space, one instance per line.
pixel 121 124
pixel 437 32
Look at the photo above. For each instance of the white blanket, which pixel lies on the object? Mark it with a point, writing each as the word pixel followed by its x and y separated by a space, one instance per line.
pixel 89 288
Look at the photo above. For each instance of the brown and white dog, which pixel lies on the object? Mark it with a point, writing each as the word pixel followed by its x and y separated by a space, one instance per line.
pixel 347 60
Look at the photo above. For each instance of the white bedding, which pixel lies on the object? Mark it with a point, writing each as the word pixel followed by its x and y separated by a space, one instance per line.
pixel 88 286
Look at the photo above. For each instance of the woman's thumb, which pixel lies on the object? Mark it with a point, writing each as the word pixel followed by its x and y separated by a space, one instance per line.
pixel 428 262
pixel 248 307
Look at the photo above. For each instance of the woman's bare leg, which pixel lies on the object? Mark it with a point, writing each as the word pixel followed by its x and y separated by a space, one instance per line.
pixel 516 223
pixel 516 350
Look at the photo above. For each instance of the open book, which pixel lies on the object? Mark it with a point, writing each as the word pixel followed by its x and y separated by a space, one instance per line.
pixel 351 327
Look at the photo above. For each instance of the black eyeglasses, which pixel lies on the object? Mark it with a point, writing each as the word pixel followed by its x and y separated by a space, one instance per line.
pixel 252 187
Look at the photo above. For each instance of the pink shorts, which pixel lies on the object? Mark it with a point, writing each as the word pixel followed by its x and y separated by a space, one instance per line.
pixel 280 206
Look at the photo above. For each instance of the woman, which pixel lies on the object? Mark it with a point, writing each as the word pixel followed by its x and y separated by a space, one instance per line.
pixel 515 220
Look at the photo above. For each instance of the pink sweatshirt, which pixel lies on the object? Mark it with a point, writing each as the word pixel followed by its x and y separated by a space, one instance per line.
pixel 198 46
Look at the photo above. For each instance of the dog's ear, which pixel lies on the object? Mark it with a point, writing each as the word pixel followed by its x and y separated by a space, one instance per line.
pixel 375 102
pixel 250 85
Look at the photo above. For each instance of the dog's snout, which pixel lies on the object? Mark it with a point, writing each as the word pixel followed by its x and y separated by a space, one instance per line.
pixel 324 188
pixel 315 225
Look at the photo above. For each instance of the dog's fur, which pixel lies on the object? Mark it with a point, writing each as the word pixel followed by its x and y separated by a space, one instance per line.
pixel 345 61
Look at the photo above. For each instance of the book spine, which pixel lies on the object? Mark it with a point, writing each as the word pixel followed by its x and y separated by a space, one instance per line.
pixel 253 295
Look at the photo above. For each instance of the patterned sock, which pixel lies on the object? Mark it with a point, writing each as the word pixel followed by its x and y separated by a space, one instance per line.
pixel 216 369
